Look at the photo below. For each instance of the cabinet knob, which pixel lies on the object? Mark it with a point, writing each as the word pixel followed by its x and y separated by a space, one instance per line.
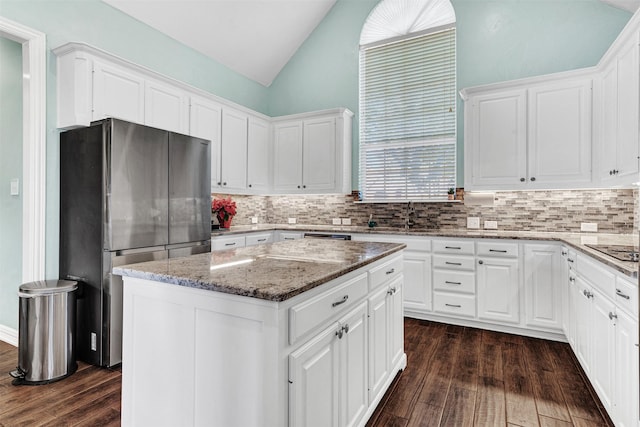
pixel 612 316
pixel 304 186
pixel 224 183
pixel 533 178
pixel 480 262
pixel 610 172
pixel 298 186
pixel 219 183
pixel 249 185
pixel 522 180
pixel 616 171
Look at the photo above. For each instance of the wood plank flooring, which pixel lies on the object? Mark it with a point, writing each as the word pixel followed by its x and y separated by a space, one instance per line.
pixel 455 377
pixel 458 376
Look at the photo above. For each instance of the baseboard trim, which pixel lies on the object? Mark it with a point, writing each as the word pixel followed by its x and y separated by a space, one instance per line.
pixel 9 335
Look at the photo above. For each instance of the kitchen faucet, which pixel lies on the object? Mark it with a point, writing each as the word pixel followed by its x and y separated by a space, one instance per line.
pixel 411 211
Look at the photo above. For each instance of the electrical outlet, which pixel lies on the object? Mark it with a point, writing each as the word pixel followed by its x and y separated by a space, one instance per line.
pixel 292 221
pixel 473 222
pixel 254 220
pixel 491 225
pixel 591 227
pixel 346 221
pixel 337 221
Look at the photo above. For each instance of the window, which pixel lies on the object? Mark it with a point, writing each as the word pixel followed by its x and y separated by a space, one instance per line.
pixel 408 116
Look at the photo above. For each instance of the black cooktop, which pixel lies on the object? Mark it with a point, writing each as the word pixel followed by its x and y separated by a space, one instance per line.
pixel 619 252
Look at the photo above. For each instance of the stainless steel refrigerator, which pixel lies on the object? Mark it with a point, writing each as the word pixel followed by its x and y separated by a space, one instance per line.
pixel 128 193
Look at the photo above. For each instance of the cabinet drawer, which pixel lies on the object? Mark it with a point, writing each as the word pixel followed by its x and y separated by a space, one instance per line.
pixel 627 296
pixel 388 270
pixel 593 272
pixel 501 249
pixel 454 262
pixel 454 281
pixel 259 239
pixel 462 247
pixel 309 314
pixel 461 305
pixel 222 243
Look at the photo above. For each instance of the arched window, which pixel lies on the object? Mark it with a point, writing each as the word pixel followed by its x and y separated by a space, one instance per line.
pixel 408 101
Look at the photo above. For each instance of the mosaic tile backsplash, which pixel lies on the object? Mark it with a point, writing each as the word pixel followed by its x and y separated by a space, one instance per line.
pixel 614 210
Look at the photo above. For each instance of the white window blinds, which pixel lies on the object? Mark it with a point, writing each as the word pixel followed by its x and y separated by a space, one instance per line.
pixel 408 118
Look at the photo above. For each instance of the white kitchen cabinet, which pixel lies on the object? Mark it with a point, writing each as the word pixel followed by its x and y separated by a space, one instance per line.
pixel 221 243
pixel 258 155
pixel 166 107
pixel 498 289
pixel 117 92
pixel 626 371
pixel 559 133
pixel 312 153
pixel 584 323
pixel 496 139
pixel 253 239
pixel 603 336
pixel 233 150
pixel 205 121
pixel 542 286
pixel 568 277
pixel 281 236
pixel 328 381
pixel 617 116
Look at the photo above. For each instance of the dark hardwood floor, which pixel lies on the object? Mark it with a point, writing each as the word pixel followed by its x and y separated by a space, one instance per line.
pixel 458 376
pixel 455 377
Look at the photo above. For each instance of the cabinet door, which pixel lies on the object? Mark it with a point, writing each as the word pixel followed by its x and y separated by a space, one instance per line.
pixel 543 299
pixel 608 123
pixel 498 289
pixel 165 107
pixel 205 122
pixel 234 150
pixel 497 140
pixel 627 112
pixel 354 399
pixel 319 155
pixel 314 383
pixel 559 133
pixel 626 371
pixel 379 339
pixel 396 320
pixel 258 154
pixel 287 157
pixel 584 321
pixel 117 93
pixel 417 281
pixel 603 351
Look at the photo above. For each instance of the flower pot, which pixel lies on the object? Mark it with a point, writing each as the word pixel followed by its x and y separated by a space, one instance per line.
pixel 224 223
pixel 451 196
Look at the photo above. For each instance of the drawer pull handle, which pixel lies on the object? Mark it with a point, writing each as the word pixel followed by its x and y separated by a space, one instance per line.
pixel 498 250
pixel 572 279
pixel 452 283
pixel 393 270
pixel 564 253
pixel 262 240
pixel 612 316
pixel 453 247
pixel 453 263
pixel 453 305
pixel 342 301
pixel 230 244
pixel 289 238
pixel 570 260
pixel 587 294
pixel 620 294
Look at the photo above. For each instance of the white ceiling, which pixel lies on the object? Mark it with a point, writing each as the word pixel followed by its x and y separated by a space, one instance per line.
pixel 255 38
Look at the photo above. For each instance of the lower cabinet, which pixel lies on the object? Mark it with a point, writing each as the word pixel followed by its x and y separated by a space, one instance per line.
pixel 625 393
pixel 543 286
pixel 327 376
pixel 498 290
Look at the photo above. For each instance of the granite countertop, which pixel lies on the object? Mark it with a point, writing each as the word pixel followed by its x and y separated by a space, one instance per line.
pixel 575 240
pixel 275 272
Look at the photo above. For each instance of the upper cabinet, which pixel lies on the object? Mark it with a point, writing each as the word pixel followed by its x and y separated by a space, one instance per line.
pixel 529 136
pixel 250 152
pixel 576 129
pixel 616 114
pixel 312 152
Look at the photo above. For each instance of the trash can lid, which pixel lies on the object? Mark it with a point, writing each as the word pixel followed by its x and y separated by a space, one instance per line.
pixel 49 287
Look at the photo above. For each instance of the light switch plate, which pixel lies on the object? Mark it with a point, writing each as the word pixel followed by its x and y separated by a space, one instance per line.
pixel 337 221
pixel 15 187
pixel 254 220
pixel 346 221
pixel 491 225
pixel 591 227
pixel 473 222
pixel 292 221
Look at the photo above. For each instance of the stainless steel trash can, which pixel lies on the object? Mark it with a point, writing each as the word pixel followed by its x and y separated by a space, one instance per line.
pixel 46 341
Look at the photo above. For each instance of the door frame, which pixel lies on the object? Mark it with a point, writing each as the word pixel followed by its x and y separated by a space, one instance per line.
pixel 34 151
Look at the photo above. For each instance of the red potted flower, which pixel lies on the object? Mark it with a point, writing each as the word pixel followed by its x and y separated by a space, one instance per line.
pixel 224 209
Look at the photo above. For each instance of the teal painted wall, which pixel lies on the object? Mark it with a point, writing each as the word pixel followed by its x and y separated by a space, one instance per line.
pixel 497 40
pixel 10 168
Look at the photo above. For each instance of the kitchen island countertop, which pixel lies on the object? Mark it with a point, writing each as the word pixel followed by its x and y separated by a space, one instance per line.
pixel 274 272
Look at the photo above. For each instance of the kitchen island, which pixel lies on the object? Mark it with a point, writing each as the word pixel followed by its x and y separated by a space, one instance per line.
pixel 298 333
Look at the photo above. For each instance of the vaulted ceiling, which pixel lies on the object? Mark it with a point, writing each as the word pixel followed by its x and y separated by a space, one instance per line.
pixel 255 38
